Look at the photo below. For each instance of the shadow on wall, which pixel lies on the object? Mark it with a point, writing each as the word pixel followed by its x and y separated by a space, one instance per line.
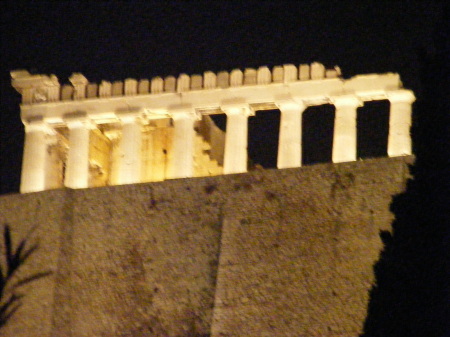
pixel 15 257
pixel 411 295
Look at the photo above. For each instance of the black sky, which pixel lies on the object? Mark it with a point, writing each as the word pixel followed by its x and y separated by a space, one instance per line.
pixel 113 41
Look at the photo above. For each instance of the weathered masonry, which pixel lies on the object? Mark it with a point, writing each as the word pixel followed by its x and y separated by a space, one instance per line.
pixel 85 135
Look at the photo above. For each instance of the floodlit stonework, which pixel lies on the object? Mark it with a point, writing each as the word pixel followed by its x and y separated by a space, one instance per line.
pixel 83 135
pixel 222 252
pixel 279 253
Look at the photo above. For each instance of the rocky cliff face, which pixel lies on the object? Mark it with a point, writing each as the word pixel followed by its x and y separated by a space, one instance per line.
pixel 266 253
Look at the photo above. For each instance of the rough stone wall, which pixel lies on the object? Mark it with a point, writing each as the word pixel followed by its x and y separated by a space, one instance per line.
pixel 298 249
pixel 268 253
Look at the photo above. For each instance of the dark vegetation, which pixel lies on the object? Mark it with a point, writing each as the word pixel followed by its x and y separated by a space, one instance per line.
pixel 10 297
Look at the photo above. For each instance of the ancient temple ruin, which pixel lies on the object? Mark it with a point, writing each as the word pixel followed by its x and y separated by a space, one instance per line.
pixel 267 253
pixel 83 134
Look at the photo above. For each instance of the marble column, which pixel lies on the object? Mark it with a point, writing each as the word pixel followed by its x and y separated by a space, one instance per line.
pixel 182 163
pixel 290 141
pixel 77 166
pixel 236 140
pixel 399 139
pixel 344 139
pixel 35 156
pixel 129 170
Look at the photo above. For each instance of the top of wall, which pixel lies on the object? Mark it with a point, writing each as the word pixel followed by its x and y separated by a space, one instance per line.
pixel 44 97
pixel 267 253
pixel 23 80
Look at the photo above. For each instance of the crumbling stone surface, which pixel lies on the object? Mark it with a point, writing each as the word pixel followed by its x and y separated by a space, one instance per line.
pixel 267 253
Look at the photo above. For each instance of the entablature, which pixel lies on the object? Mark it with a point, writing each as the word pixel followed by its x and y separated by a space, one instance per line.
pixel 210 100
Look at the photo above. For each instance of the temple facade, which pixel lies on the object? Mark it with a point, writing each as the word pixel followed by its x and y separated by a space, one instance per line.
pixel 82 134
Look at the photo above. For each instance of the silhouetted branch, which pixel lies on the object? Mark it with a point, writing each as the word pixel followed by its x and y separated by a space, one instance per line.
pixel 15 259
pixel 32 278
pixel 8 308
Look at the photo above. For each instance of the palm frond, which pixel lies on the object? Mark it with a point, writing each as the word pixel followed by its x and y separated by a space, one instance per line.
pixel 8 308
pixel 14 259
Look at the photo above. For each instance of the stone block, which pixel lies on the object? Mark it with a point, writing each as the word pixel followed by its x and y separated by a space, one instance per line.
pixel 117 88
pixel 27 95
pixel 236 78
pixel 196 82
pixel 79 92
pixel 210 80
pixel 105 89
pixel 331 73
pixel 250 76
pixel 130 87
pixel 223 79
pixel 170 83
pixel 317 71
pixel 157 85
pixel 303 72
pixel 79 83
pixel 290 73
pixel 78 79
pixel 53 93
pixel 91 90
pixel 66 92
pixel 143 87
pixel 277 74
pixel 264 76
pixel 183 83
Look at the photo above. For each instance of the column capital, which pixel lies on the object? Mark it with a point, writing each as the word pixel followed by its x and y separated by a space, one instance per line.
pixel 155 113
pixel 190 113
pixel 237 109
pixel 78 119
pixel 401 96
pixel 37 123
pixel 129 116
pixel 291 105
pixel 346 100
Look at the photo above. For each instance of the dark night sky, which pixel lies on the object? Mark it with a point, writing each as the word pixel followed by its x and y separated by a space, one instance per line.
pixel 114 41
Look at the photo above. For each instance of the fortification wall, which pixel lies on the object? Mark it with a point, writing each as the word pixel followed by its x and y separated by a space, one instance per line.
pixel 267 253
